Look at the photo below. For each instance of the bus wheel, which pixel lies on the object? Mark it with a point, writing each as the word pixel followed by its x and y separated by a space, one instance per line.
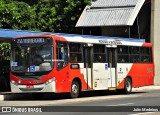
pixel 74 89
pixel 128 86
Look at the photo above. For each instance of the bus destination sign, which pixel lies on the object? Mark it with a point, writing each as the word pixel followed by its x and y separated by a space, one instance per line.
pixel 110 42
pixel 30 41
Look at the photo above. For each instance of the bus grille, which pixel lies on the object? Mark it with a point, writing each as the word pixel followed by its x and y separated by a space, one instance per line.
pixel 34 89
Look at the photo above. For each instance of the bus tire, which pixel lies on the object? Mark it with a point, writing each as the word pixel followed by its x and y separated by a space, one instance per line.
pixel 128 86
pixel 74 89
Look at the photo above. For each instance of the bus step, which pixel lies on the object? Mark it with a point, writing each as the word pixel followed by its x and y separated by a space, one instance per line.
pixel 112 88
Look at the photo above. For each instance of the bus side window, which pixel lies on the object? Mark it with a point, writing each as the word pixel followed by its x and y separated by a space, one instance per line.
pixel 62 55
pixel 75 51
pixel 99 54
pixel 73 57
pixel 146 55
pixel 123 56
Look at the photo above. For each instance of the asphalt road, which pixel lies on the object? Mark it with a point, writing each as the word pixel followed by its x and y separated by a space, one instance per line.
pixel 105 103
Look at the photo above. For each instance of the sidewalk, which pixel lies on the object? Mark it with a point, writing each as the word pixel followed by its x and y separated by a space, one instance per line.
pixel 145 88
pixel 152 87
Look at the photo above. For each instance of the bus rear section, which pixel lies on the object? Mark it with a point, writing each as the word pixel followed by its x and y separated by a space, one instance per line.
pixel 136 62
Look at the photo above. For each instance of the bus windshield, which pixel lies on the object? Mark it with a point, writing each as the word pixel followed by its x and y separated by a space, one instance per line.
pixel 32 55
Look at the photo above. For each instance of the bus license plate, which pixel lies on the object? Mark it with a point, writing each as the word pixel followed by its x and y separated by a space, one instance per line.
pixel 29 86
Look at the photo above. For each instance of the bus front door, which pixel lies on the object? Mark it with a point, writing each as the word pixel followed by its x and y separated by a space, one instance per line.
pixel 87 70
pixel 112 67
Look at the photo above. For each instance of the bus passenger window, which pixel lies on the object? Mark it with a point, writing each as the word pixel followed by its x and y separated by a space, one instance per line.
pixel 75 52
pixel 122 60
pixel 99 59
pixel 146 55
pixel 134 50
pixel 73 58
pixel 99 54
pixel 145 60
pixel 134 59
pixel 123 56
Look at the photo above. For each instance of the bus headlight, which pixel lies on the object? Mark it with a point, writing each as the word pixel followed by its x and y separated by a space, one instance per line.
pixel 13 82
pixel 50 81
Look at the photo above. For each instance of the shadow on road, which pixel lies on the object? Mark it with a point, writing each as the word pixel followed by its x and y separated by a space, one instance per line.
pixel 61 96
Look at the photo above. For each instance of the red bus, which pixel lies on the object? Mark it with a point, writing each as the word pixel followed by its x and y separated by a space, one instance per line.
pixel 74 63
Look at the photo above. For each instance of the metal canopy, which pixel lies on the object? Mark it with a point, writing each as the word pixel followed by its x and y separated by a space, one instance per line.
pixel 110 13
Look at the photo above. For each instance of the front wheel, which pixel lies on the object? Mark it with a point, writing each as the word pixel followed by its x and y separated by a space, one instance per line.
pixel 74 89
pixel 128 86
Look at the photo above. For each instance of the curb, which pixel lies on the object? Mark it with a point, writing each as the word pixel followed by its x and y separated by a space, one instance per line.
pixel 147 88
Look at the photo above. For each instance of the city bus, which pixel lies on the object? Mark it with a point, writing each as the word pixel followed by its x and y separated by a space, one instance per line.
pixel 70 63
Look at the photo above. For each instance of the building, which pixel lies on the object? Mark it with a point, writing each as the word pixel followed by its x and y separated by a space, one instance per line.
pixel 126 18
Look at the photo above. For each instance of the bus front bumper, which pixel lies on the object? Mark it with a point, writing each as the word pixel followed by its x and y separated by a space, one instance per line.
pixel 46 87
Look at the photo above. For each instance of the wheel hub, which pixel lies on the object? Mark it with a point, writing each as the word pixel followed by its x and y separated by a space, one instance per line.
pixel 74 88
pixel 128 86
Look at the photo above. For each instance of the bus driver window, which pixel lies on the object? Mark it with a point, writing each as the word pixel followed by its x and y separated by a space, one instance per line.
pixel 62 57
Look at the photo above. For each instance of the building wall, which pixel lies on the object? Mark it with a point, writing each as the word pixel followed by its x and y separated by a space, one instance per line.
pixel 155 37
pixel 116 31
pixel 140 28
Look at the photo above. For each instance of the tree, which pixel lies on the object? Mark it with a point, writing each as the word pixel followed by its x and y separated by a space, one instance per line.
pixel 16 15
pixel 44 15
pixel 59 15
pixel 69 13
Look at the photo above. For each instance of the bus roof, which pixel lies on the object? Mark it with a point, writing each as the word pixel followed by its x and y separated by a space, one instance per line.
pixel 76 36
pixel 90 39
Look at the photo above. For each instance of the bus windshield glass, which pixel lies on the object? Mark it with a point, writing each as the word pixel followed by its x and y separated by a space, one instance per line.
pixel 32 55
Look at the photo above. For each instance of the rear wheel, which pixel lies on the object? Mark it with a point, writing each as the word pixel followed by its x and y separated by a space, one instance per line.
pixel 74 89
pixel 128 86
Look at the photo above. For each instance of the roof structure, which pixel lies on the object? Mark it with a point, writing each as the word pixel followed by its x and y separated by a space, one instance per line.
pixel 110 13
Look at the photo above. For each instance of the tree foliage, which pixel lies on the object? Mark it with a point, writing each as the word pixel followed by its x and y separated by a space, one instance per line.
pixel 43 15
pixel 16 15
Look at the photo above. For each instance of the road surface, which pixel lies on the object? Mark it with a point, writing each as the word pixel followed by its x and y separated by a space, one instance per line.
pixel 90 103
